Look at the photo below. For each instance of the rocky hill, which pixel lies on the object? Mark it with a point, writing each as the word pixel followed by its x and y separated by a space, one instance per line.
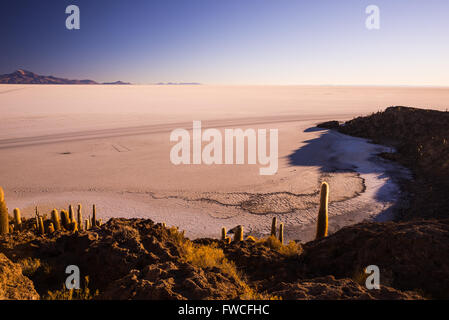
pixel 138 259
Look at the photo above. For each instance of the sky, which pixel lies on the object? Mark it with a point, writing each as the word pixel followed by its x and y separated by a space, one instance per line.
pixel 235 42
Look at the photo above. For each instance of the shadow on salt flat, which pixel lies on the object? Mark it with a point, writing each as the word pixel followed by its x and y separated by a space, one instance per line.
pixel 335 152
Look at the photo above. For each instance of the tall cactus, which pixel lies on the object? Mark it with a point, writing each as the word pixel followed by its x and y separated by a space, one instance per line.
pixel 71 214
pixel 4 218
pixel 80 217
pixel 36 217
pixel 41 226
pixel 51 227
pixel 281 233
pixel 223 233
pixel 65 219
pixel 238 236
pixel 17 219
pixel 94 216
pixel 273 226
pixel 322 221
pixel 56 220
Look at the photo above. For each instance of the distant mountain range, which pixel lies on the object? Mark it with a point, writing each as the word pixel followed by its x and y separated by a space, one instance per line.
pixel 27 77
pixel 178 83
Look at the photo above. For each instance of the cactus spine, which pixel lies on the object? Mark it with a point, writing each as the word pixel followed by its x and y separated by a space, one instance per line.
pixel 223 233
pixel 322 221
pixel 273 227
pixel 4 218
pixel 17 219
pixel 238 236
pixel 80 217
pixel 281 233
pixel 55 219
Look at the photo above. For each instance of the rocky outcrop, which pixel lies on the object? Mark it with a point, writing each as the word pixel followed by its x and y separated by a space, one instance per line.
pixel 137 259
pixel 329 288
pixel 410 255
pixel 13 284
pixel 421 139
pixel 170 281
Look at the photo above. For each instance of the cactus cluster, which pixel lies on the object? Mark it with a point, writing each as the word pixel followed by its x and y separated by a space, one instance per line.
pixel 66 220
pixel 58 221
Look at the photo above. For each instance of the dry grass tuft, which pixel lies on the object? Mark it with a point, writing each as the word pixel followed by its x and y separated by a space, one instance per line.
pixel 292 249
pixel 211 256
pixel 72 294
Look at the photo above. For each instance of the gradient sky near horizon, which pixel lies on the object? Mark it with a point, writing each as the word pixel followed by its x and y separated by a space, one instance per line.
pixel 230 41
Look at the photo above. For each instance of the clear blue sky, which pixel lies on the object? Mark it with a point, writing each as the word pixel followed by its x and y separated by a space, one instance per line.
pixel 230 41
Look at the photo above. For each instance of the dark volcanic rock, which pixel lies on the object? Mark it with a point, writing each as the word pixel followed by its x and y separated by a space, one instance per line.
pixel 137 259
pixel 410 255
pixel 329 125
pixel 173 281
pixel 329 288
pixel 421 138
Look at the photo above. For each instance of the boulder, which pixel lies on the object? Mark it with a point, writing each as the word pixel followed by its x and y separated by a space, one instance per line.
pixel 13 284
